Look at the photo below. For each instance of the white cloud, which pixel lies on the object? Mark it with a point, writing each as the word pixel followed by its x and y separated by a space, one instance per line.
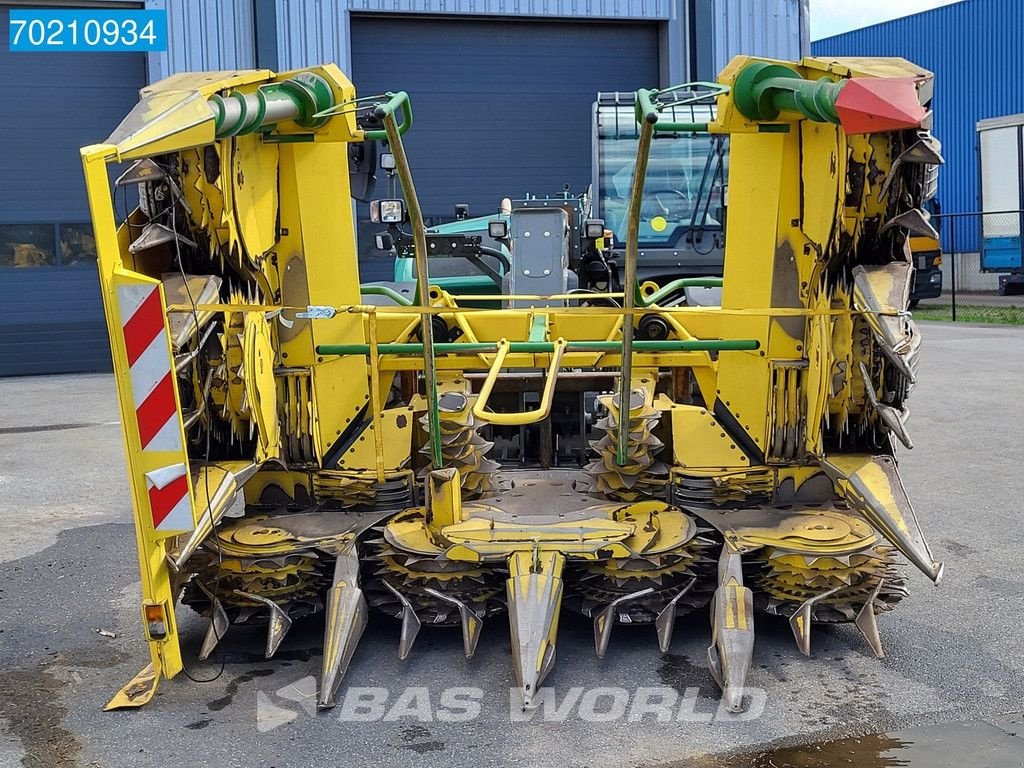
pixel 831 17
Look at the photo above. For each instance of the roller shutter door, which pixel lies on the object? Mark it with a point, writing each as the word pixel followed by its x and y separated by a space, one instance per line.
pixel 51 316
pixel 502 108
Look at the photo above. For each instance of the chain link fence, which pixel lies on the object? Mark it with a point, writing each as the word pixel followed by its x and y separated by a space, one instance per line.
pixel 978 275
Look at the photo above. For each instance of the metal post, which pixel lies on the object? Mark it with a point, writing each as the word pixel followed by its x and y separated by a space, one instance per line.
pixel 419 239
pixel 1020 228
pixel 643 151
pixel 375 403
pixel 952 261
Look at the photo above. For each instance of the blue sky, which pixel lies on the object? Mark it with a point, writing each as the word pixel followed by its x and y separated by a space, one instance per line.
pixel 830 17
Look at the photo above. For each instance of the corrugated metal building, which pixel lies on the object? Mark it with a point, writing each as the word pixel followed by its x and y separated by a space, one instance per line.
pixel 502 90
pixel 973 47
pixel 51 317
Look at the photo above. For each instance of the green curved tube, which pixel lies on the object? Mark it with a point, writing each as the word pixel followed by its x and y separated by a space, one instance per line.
pixel 300 98
pixel 397 101
pixel 682 282
pixel 763 90
pixel 647 112
pixel 544 347
pixel 383 290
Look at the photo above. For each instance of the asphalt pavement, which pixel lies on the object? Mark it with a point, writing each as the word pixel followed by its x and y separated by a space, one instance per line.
pixel 68 580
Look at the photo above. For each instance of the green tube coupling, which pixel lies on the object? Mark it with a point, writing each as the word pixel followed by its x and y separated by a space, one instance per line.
pixel 383 290
pixel 647 112
pixel 397 102
pixel 684 282
pixel 763 90
pixel 298 98
pixel 544 347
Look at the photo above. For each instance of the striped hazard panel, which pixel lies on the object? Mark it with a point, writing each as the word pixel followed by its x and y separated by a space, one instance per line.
pixel 151 370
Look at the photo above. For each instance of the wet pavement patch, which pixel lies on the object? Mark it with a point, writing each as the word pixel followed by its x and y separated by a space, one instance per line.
pixel 679 672
pixel 218 704
pixel 51 601
pixel 992 743
pixel 417 739
pixel 30 705
pixel 424 747
pixel 47 428
pixel 284 656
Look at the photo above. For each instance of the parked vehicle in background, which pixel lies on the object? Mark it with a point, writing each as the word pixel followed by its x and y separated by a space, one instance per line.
pixel 682 219
pixel 927 255
pixel 1001 159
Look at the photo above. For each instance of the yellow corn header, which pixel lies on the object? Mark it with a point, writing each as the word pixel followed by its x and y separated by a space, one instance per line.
pixel 297 453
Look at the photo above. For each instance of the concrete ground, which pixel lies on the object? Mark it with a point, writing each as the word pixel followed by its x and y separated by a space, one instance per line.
pixel 68 573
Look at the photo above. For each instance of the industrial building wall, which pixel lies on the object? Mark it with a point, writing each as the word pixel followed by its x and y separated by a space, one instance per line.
pixel 699 37
pixel 204 35
pixel 310 33
pixel 510 115
pixel 973 47
pixel 778 29
pixel 58 302
pixel 51 314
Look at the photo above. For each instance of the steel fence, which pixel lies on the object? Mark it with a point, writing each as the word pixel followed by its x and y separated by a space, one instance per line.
pixel 977 276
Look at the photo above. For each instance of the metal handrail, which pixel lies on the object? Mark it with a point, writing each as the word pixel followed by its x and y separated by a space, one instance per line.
pixel 648 107
pixel 522 418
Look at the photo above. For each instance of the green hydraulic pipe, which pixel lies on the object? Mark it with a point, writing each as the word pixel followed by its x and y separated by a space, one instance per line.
pixel 398 101
pixel 647 112
pixel 763 90
pixel 543 347
pixel 386 113
pixel 683 282
pixel 383 290
pixel 299 98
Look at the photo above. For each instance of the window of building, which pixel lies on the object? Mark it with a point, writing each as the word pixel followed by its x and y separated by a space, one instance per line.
pixel 28 245
pixel 77 245
pixel 23 246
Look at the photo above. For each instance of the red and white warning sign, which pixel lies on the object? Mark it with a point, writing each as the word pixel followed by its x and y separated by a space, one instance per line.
pixel 151 370
pixel 150 365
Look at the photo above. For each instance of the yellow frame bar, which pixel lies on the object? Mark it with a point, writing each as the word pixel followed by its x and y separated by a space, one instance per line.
pixel 155 576
pixel 526 417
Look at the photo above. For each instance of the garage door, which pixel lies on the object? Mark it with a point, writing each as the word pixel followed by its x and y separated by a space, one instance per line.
pixel 51 318
pixel 501 108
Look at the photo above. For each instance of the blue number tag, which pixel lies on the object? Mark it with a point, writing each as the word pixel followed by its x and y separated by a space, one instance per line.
pixel 89 30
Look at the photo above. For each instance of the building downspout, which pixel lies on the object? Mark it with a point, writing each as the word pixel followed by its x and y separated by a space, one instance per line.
pixel 805 27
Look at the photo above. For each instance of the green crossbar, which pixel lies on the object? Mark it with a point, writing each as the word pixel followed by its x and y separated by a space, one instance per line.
pixel 543 347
